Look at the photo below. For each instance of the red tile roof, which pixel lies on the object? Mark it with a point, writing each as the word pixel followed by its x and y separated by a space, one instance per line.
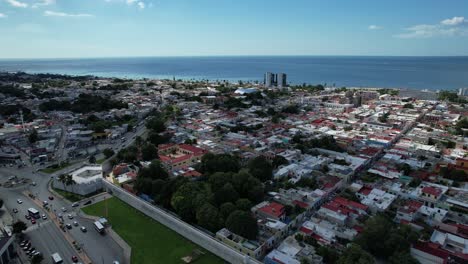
pixel 432 191
pixel 274 209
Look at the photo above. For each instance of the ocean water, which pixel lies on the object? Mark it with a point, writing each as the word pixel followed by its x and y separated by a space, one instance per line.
pixel 431 73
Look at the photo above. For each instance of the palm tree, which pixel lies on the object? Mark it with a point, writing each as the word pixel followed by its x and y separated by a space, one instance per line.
pixel 62 178
pixel 69 181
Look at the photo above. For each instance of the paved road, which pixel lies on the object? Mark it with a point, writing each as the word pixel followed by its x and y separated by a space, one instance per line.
pixel 98 248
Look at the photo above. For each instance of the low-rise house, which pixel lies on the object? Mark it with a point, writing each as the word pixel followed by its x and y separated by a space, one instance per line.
pixel 248 247
pixel 269 210
pixel 292 252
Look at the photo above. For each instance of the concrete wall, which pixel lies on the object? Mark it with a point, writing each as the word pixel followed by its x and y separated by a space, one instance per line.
pixel 191 233
pixel 81 189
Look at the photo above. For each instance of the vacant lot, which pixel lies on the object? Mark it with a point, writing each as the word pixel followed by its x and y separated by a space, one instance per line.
pixel 151 242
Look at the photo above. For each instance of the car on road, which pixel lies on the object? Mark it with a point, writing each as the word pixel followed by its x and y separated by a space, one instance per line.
pixel 15 210
pixel 64 209
pixel 88 202
pixel 75 223
pixel 19 201
pixel 75 204
pixel 83 229
pixel 45 203
pixel 33 221
pixel 74 259
pixel 70 216
pixel 44 217
pixel 51 198
pixel 27 246
pixel 33 183
pixel 68 226
pixel 23 243
pixel 27 217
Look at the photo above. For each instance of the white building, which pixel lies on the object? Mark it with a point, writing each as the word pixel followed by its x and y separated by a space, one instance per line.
pixel 88 179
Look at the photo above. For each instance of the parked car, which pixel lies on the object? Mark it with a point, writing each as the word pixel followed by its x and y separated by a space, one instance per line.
pixel 44 217
pixel 88 202
pixel 27 217
pixel 64 209
pixel 19 201
pixel 70 216
pixel 33 221
pixel 74 259
pixel 83 229
pixel 51 198
pixel 68 226
pixel 15 210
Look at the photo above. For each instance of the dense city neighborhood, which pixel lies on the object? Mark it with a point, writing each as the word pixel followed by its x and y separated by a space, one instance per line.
pixel 244 172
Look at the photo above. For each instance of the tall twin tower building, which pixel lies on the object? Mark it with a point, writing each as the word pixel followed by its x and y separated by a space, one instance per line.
pixel 275 80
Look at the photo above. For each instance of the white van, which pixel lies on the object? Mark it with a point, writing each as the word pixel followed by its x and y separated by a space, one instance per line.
pixel 56 258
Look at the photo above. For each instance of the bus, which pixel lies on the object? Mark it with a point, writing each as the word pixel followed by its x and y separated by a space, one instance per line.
pixel 56 258
pixel 99 227
pixel 34 213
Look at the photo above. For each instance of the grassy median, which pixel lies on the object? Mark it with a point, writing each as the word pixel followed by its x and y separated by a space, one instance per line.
pixel 151 242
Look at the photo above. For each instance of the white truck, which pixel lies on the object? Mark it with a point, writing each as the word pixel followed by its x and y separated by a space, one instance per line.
pixel 56 259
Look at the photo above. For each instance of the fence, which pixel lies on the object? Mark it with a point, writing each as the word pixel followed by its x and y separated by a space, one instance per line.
pixel 186 230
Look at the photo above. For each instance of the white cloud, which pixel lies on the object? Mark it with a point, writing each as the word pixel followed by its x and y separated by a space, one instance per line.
pixel 2 15
pixel 375 27
pixel 62 14
pixel 131 2
pixel 451 27
pixel 453 21
pixel 43 3
pixel 16 3
pixel 141 5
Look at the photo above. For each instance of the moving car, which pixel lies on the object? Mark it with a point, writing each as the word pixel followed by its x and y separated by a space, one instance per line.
pixel 33 221
pixel 51 198
pixel 75 204
pixel 70 216
pixel 75 223
pixel 68 226
pixel 19 201
pixel 15 210
pixel 83 229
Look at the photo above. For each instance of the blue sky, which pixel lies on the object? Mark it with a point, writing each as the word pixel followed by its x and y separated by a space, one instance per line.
pixel 122 28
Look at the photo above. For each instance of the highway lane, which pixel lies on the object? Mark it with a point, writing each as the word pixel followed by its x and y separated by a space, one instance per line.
pixel 47 239
pixel 97 247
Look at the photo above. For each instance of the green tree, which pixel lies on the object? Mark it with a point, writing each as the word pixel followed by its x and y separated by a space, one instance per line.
pixel 226 194
pixel 33 136
pixel 92 159
pixel 244 204
pixel 157 124
pixel 279 160
pixel 19 226
pixel 243 224
pixel 402 258
pixel 355 254
pixel 37 259
pixel 108 153
pixel 211 163
pixel 149 152
pixel 187 199
pixel 226 209
pixel 208 217
pixel 260 168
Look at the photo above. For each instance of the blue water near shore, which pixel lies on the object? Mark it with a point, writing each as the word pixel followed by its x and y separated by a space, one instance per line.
pixel 360 71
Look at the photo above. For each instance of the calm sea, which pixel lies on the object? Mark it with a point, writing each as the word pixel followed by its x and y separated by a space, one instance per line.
pixel 402 72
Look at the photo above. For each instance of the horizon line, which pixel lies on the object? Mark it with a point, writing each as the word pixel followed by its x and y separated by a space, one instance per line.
pixel 219 56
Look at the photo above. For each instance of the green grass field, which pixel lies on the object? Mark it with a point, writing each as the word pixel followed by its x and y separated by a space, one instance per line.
pixel 151 242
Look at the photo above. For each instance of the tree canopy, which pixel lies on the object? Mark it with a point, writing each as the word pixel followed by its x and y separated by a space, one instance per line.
pixel 242 223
